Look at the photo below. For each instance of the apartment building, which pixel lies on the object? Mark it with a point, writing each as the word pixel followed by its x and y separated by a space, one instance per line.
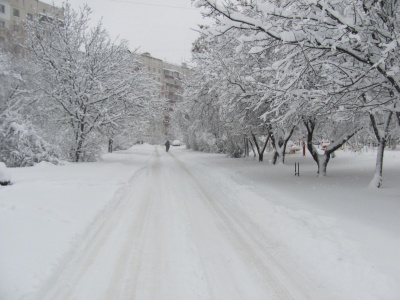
pixel 14 12
pixel 155 67
pixel 170 78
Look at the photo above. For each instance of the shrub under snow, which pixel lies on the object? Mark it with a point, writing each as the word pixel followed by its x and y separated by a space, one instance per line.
pixel 5 176
pixel 21 145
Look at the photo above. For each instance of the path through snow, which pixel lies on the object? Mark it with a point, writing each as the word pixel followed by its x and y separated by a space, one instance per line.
pixel 172 236
pixel 144 224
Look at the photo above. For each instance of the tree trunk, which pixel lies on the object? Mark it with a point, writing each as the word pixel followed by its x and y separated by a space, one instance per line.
pixel 275 157
pixel 310 126
pixel 245 147
pixel 382 138
pixel 252 147
pixel 110 145
pixel 322 160
pixel 79 139
pixel 280 145
pixel 260 151
pixel 323 164
pixel 377 179
pixel 78 151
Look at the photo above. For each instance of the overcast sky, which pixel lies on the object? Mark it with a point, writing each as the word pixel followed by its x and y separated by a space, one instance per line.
pixel 161 27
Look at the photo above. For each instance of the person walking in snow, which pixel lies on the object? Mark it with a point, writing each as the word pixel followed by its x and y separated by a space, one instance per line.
pixel 167 145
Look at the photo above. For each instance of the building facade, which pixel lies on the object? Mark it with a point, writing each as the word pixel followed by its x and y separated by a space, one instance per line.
pixel 170 78
pixel 14 12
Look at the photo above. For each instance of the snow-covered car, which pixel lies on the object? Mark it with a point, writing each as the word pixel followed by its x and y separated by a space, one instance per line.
pixel 324 145
pixel 176 143
pixel 291 148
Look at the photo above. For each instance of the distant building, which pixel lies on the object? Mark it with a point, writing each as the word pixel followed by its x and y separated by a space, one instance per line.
pixel 170 77
pixel 14 12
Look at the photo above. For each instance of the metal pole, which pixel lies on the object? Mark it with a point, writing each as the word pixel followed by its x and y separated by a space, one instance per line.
pixel 296 169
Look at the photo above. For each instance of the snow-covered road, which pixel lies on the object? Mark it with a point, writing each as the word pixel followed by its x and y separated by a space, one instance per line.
pixel 146 224
pixel 173 235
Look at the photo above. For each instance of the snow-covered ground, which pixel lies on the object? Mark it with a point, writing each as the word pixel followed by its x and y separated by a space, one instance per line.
pixel 145 224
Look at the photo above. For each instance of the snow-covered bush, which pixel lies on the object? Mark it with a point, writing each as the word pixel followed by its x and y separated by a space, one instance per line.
pixel 21 142
pixel 204 142
pixel 122 142
pixel 5 177
pixel 211 143
pixel 234 148
pixel 21 145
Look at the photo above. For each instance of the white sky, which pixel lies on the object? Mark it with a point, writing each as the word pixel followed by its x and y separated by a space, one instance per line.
pixel 161 27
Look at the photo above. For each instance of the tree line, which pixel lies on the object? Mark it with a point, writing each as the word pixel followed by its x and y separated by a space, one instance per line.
pixel 271 70
pixel 68 92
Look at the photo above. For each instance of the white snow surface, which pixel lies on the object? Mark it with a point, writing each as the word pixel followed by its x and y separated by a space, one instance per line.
pixel 146 224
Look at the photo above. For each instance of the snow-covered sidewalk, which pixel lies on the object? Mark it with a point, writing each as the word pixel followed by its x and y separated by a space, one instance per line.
pixel 146 224
pixel 46 211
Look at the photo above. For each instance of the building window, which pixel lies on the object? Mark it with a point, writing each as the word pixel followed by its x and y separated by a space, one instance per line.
pixel 15 28
pixel 29 17
pixel 16 12
pixel 2 9
pixel 2 24
pixel 2 39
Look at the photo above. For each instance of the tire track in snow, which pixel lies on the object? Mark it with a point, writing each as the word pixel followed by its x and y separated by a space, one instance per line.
pixel 159 261
pixel 126 273
pixel 66 283
pixel 251 249
pixel 145 257
pixel 133 252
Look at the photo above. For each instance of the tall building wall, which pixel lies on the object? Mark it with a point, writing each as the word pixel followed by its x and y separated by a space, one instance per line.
pixel 155 67
pixel 170 77
pixel 14 12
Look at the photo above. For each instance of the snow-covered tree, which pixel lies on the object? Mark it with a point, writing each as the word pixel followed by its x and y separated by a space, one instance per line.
pixel 324 52
pixel 11 89
pixel 365 32
pixel 88 83
pixel 220 98
pixel 21 142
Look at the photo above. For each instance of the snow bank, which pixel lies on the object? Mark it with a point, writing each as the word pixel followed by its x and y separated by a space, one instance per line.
pixel 45 211
pixel 336 231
